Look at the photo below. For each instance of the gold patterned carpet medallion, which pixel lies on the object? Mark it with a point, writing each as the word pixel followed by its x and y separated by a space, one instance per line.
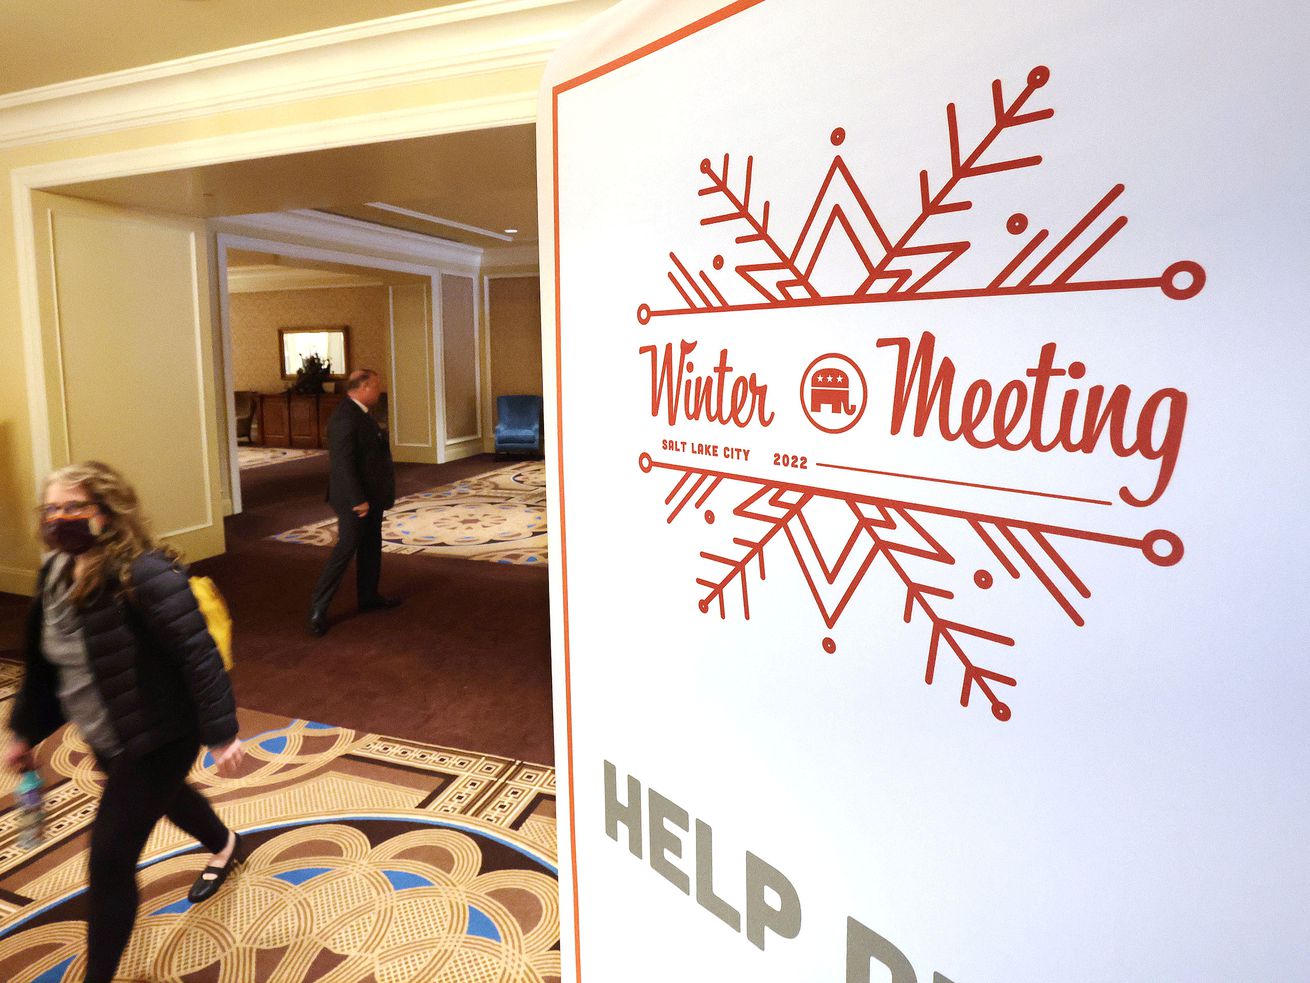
pixel 369 860
pixel 499 516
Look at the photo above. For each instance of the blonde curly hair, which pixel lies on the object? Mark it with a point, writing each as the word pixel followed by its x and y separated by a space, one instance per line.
pixel 126 535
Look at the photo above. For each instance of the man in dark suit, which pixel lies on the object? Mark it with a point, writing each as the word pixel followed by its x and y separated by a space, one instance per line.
pixel 361 486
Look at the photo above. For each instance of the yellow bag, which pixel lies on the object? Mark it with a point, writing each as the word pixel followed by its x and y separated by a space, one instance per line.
pixel 216 615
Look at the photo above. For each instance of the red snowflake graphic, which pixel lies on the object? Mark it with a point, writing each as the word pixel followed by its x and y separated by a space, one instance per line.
pixel 908 268
pixel 893 531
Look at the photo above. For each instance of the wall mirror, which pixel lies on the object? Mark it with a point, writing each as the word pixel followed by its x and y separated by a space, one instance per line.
pixel 330 343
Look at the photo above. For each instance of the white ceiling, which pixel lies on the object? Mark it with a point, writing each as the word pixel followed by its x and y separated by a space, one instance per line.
pixel 48 41
pixel 485 179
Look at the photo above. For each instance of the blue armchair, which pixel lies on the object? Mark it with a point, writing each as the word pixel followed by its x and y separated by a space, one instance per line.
pixel 518 424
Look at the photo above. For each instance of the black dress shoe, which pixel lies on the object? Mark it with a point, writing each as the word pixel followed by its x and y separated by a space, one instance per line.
pixel 318 625
pixel 212 877
pixel 380 603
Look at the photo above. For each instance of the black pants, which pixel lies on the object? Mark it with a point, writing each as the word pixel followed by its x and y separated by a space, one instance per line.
pixel 362 539
pixel 137 794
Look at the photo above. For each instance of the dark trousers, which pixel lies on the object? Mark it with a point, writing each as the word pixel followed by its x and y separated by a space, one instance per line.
pixel 137 794
pixel 362 539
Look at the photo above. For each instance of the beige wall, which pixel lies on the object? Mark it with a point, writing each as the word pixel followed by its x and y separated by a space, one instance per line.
pixel 256 317
pixel 459 350
pixel 514 314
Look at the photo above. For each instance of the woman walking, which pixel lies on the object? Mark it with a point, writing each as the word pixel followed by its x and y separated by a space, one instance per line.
pixel 116 645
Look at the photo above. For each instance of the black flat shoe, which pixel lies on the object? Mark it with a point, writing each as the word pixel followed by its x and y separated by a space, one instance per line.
pixel 380 603
pixel 318 626
pixel 212 877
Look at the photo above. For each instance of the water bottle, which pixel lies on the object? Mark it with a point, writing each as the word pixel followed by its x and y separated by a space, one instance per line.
pixel 31 811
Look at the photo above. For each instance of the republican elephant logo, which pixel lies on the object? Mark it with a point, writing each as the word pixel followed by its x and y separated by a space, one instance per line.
pixel 833 393
pixel 830 388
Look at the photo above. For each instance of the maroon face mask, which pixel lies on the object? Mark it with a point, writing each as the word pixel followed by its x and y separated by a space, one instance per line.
pixel 72 536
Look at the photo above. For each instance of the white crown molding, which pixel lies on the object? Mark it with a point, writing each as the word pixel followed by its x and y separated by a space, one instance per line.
pixel 341 233
pixel 471 38
pixel 397 24
pixel 266 278
pixel 382 206
pixel 508 110
pixel 507 257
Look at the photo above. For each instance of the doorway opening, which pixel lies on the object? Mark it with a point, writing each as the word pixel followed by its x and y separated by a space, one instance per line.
pixel 434 239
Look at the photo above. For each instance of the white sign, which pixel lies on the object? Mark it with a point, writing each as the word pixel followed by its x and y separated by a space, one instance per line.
pixel 930 448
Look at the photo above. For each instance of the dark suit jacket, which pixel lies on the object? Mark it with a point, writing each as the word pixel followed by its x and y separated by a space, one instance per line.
pixel 360 459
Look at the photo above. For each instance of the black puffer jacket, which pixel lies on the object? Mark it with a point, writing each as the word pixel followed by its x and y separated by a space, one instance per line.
pixel 154 661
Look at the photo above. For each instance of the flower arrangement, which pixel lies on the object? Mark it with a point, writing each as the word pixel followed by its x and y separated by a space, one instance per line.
pixel 313 372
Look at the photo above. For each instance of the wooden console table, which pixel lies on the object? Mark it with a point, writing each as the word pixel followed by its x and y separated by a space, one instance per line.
pixel 295 419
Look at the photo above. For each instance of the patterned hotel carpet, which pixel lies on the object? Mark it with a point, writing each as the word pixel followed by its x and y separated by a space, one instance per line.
pixel 371 860
pixel 499 516
pixel 262 457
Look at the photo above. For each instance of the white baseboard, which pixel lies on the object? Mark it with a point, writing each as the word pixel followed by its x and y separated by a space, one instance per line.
pixel 18 580
pixel 464 449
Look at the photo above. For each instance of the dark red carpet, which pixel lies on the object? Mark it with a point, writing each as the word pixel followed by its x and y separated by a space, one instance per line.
pixel 465 662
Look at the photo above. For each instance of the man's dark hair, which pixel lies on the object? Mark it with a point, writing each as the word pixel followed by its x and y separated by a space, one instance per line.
pixel 358 378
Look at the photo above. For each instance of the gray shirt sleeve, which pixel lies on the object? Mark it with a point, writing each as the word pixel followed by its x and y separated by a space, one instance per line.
pixel 64 647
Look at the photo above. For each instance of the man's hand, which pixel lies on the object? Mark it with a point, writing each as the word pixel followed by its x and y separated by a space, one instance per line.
pixel 360 510
pixel 228 758
pixel 18 755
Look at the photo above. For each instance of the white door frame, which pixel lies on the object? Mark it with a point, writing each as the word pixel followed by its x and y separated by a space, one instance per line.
pixel 477 350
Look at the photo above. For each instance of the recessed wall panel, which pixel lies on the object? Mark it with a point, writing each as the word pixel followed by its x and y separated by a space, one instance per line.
pixel 515 316
pixel 459 342
pixel 412 398
pixel 130 343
